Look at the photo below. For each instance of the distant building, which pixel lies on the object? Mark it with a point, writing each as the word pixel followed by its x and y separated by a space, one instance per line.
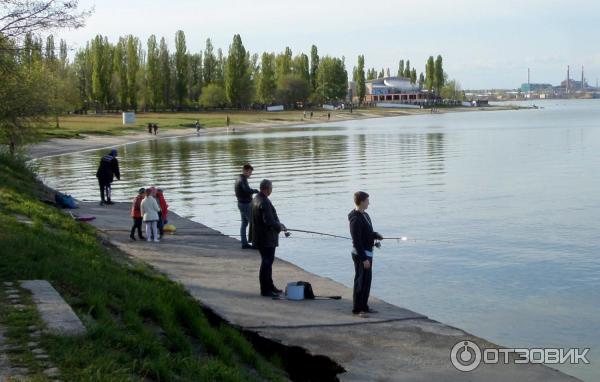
pixel 539 88
pixel 573 85
pixel 395 89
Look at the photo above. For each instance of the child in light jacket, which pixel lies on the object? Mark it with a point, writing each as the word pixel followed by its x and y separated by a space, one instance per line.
pixel 150 211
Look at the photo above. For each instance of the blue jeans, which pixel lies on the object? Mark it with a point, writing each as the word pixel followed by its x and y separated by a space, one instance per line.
pixel 245 213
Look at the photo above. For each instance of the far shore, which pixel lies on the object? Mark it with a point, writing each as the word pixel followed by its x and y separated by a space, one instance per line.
pixel 85 139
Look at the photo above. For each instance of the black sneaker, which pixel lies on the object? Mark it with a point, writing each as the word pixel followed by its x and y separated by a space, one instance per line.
pixel 278 291
pixel 270 294
pixel 142 237
pixel 246 246
pixel 109 202
pixel 132 237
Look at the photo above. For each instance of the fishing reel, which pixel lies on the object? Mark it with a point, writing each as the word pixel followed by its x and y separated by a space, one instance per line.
pixel 287 233
pixel 377 244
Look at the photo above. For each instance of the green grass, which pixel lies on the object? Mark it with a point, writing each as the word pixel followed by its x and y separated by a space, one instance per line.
pixel 72 126
pixel 140 325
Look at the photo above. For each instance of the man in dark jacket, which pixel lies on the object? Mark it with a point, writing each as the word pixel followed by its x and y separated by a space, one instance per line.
pixel 107 171
pixel 244 193
pixel 363 240
pixel 264 233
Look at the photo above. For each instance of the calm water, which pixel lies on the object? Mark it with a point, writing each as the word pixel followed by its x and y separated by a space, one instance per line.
pixel 513 193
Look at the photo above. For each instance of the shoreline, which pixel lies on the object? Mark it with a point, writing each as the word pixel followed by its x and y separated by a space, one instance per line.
pixel 89 142
pixel 324 333
pixel 396 344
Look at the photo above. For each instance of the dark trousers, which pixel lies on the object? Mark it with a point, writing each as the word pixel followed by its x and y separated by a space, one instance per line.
pixel 104 191
pixel 265 275
pixel 161 225
pixel 137 224
pixel 362 285
pixel 246 215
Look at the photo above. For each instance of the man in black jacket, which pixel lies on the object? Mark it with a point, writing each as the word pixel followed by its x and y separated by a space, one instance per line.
pixel 107 171
pixel 244 193
pixel 264 233
pixel 363 240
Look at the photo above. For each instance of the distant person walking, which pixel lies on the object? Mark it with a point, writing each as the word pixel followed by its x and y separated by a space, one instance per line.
pixel 107 171
pixel 363 240
pixel 227 120
pixel 136 214
pixel 150 128
pixel 150 211
pixel 155 128
pixel 198 127
pixel 328 116
pixel 244 193
pixel 264 233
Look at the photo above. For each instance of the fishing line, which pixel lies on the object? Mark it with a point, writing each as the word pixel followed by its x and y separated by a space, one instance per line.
pixel 398 239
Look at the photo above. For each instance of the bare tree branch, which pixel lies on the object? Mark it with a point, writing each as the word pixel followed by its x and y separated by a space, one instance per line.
pixel 19 17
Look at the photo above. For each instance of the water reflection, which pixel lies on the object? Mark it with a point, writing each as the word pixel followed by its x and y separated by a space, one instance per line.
pixel 514 194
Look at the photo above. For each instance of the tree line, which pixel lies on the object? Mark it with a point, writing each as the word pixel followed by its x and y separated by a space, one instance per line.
pixel 129 75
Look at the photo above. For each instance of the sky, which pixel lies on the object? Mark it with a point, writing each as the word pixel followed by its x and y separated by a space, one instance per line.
pixel 485 44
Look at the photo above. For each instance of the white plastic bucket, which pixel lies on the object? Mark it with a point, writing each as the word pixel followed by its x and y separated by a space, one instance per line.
pixel 294 292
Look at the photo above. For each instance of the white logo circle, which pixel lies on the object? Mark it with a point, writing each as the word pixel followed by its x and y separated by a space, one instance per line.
pixel 465 356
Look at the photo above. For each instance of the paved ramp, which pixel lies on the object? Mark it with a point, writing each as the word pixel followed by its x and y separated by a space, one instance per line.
pixel 395 345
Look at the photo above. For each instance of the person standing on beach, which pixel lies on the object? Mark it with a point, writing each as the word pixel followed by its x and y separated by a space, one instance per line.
pixel 155 128
pixel 198 127
pixel 150 211
pixel 328 116
pixel 363 240
pixel 244 193
pixel 264 233
pixel 107 171
pixel 136 214
pixel 164 211
pixel 227 120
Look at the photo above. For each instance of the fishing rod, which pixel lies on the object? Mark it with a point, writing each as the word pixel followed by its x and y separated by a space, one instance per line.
pixel 398 238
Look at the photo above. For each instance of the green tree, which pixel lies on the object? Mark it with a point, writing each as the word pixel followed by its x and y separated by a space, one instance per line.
pixel 213 96
pixel 314 67
pixel 413 76
pixel 451 90
pixel 421 80
pixel 237 74
pixel 438 75
pixel 153 76
pixel 194 76
pixel 300 67
pixel 133 67
pixel 220 68
pixel 283 63
pixel 429 74
pixel 120 73
pixel 401 68
pixel 332 80
pixel 101 71
pixel 180 68
pixel 371 74
pixel 292 88
pixel 165 75
pixel 50 49
pixel 267 83
pixel 210 63
pixel 360 79
pixel 407 69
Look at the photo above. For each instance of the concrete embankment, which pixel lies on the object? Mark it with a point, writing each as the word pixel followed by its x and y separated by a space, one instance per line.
pixel 396 344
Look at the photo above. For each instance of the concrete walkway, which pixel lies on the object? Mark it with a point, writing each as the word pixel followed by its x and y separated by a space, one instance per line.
pixel 395 345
